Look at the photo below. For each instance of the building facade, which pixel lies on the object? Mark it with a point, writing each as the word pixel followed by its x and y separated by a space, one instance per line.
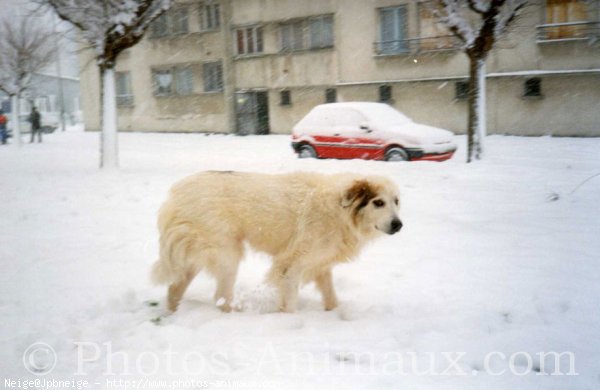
pixel 258 66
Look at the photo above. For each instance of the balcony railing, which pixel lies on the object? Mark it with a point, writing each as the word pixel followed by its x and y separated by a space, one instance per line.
pixel 417 45
pixel 569 31
pixel 124 100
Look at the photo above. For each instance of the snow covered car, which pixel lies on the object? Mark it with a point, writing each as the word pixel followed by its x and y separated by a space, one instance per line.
pixel 370 131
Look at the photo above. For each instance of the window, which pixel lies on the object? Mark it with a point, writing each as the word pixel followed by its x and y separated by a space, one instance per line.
pixel 311 33
pixel 321 32
pixel 393 30
pixel 292 36
pixel 123 87
pixel 179 21
pixel 42 103
pixel 533 87
pixel 184 81
pixel 178 80
pixel 210 16
pixel 348 118
pixel 249 40
pixel 385 93
pixel 566 11
pixel 213 76
pixel 160 26
pixel 163 82
pixel 172 22
pixel 433 34
pixel 461 90
pixel 330 95
pixel 285 98
pixel 5 106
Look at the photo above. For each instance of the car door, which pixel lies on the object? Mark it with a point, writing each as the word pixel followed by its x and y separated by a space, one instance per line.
pixel 321 127
pixel 356 138
pixel 344 129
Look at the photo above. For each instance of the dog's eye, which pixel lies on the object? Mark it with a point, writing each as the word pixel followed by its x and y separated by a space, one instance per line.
pixel 396 201
pixel 378 203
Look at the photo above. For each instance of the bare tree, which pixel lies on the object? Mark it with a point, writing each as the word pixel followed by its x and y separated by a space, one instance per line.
pixel 25 49
pixel 478 24
pixel 109 27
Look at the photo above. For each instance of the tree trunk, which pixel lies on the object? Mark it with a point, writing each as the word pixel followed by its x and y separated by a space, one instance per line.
pixel 228 73
pixel 61 94
pixel 477 118
pixel 16 127
pixel 108 144
pixel 482 112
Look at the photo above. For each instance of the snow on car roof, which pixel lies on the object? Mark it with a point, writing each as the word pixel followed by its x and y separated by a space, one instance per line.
pixel 355 105
pixel 377 112
pixel 325 117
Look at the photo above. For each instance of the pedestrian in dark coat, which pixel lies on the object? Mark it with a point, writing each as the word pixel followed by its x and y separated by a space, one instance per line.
pixel 35 119
pixel 3 132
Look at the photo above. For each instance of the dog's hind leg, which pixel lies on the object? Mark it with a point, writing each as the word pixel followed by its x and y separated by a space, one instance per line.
pixel 287 278
pixel 224 291
pixel 325 285
pixel 225 271
pixel 177 289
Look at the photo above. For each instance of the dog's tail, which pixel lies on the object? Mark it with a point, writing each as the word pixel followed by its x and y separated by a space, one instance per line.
pixel 175 242
pixel 160 273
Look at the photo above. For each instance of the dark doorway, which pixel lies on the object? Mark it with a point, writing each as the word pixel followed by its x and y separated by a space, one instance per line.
pixel 252 112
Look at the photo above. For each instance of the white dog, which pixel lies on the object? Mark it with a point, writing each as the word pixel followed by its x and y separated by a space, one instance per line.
pixel 308 222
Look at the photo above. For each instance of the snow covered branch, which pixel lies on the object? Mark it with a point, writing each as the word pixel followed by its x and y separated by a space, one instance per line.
pixel 478 6
pixel 480 33
pixel 109 26
pixel 25 49
pixel 453 16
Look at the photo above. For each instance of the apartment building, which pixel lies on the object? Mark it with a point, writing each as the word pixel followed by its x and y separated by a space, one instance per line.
pixel 258 66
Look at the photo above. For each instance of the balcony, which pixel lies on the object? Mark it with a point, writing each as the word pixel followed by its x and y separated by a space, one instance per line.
pixel 417 45
pixel 124 100
pixel 568 31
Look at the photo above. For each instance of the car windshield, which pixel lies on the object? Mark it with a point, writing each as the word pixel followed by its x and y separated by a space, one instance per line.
pixel 382 114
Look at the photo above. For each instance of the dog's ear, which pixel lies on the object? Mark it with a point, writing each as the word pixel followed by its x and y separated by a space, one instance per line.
pixel 360 191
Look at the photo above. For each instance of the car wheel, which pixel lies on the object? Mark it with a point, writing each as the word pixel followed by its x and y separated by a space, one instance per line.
pixel 396 154
pixel 307 151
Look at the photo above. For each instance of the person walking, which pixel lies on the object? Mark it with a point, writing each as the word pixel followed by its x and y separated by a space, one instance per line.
pixel 3 131
pixel 35 119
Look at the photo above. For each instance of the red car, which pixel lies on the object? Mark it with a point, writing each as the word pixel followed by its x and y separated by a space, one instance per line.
pixel 370 131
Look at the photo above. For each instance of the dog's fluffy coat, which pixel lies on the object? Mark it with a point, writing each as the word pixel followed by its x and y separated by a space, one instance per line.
pixel 307 222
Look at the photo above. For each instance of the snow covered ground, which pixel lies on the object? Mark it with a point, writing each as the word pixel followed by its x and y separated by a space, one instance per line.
pixel 498 262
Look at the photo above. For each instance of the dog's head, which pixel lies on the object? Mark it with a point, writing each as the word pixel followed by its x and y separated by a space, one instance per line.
pixel 374 204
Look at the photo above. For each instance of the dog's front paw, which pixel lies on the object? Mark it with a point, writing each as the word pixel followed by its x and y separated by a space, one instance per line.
pixel 330 302
pixel 287 309
pixel 223 305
